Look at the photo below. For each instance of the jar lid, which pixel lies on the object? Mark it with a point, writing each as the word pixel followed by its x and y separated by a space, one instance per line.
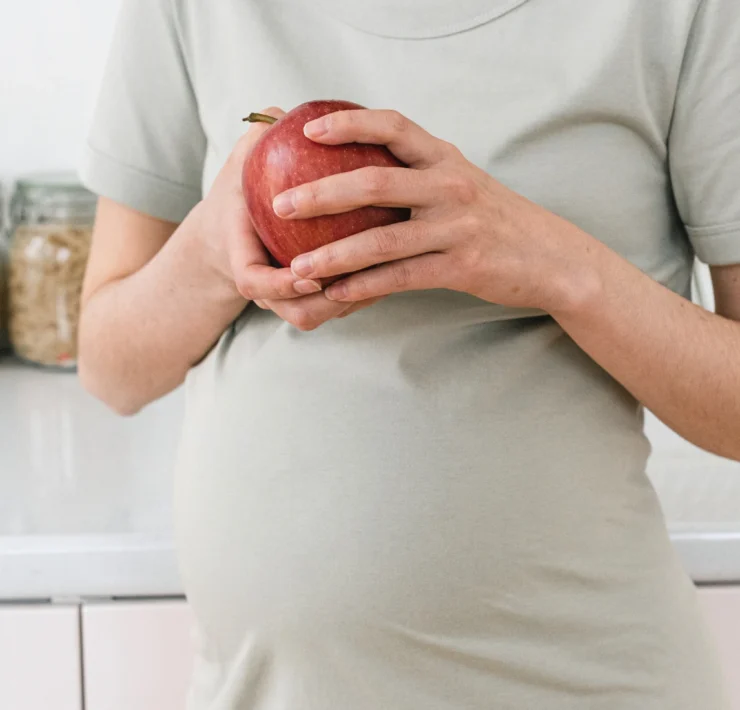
pixel 46 197
pixel 66 183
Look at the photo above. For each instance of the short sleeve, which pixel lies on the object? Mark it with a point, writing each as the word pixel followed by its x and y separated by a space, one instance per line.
pixel 146 146
pixel 704 144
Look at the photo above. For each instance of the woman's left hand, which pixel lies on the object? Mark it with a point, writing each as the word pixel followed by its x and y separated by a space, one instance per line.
pixel 467 231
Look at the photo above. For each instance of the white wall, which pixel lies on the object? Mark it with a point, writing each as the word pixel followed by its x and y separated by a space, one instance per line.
pixel 52 54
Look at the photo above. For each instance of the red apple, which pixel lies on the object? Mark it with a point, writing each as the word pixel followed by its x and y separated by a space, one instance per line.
pixel 283 158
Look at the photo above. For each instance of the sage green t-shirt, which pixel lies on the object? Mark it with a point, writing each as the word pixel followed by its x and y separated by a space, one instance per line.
pixel 437 503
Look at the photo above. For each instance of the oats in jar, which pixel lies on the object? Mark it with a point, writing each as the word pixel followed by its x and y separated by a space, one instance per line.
pixel 47 266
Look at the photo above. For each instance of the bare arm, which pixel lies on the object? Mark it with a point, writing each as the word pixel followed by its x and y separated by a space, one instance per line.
pixel 680 360
pixel 152 307
pixel 157 296
pixel 726 281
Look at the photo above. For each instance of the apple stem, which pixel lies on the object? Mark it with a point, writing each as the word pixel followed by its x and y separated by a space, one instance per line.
pixel 259 118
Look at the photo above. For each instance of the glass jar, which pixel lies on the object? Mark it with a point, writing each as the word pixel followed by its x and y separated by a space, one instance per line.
pixel 52 218
pixel 4 342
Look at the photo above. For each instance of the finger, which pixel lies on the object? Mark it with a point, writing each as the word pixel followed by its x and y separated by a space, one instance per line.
pixel 359 306
pixel 243 248
pixel 262 282
pixel 370 248
pixel 321 310
pixel 415 274
pixel 261 304
pixel 406 140
pixel 309 312
pixel 383 187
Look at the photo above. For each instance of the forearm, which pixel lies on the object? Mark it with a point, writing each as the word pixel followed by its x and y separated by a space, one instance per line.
pixel 679 360
pixel 140 335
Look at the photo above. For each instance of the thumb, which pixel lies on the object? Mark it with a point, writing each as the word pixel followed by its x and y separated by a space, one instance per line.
pixel 255 132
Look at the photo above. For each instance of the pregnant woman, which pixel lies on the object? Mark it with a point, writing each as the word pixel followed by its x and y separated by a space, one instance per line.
pixel 423 487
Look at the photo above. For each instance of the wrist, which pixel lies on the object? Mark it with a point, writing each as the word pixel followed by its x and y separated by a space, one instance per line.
pixel 576 284
pixel 208 257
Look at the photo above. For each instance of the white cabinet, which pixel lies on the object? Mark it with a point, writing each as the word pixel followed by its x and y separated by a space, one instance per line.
pixel 40 658
pixel 722 608
pixel 137 655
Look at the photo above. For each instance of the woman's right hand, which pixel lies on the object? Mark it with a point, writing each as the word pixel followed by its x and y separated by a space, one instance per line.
pixel 190 280
pixel 235 251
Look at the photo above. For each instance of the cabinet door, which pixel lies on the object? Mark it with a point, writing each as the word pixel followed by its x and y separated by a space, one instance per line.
pixel 136 655
pixel 40 658
pixel 722 608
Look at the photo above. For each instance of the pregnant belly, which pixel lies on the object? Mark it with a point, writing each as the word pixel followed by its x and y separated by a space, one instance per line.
pixel 316 495
pixel 428 535
pixel 468 500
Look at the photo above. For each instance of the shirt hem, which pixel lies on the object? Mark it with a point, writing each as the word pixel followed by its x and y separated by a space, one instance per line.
pixel 718 245
pixel 142 191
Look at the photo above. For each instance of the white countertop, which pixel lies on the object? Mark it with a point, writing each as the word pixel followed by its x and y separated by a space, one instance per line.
pixel 85 496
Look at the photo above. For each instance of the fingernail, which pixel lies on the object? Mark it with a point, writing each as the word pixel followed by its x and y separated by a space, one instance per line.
pixel 336 292
pixel 315 128
pixel 302 265
pixel 284 204
pixel 307 286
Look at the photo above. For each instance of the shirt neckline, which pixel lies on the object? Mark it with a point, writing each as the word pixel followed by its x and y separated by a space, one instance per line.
pixel 417 19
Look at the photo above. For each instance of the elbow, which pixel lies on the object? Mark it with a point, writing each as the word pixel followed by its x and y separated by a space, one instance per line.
pixel 729 445
pixel 733 452
pixel 121 408
pixel 108 390
pixel 726 445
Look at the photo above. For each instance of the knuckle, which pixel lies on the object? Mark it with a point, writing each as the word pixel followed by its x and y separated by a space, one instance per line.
pixel 439 274
pixel 470 258
pixel 397 122
pixel 376 181
pixel 327 256
pixel 357 287
pixel 386 240
pixel 303 320
pixel 450 150
pixel 469 225
pixel 284 288
pixel 401 274
pixel 310 195
pixel 428 272
pixel 461 187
